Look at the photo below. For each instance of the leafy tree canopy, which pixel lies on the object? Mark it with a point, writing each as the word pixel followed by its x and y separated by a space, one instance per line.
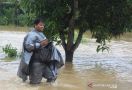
pixel 104 18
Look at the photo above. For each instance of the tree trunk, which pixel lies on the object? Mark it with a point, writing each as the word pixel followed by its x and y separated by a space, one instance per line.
pixel 68 43
pixel 69 56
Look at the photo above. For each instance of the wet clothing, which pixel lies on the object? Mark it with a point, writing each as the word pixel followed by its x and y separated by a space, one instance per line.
pixel 30 64
pixel 39 70
pixel 31 43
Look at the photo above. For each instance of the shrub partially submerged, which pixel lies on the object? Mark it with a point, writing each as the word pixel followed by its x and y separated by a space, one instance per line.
pixel 10 50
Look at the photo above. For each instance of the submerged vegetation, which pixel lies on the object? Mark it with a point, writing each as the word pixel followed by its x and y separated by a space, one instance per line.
pixel 10 50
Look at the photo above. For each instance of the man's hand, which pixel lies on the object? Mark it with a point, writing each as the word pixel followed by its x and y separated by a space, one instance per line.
pixel 44 42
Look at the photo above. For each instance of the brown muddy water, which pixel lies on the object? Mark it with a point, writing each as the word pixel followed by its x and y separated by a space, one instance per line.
pixel 90 70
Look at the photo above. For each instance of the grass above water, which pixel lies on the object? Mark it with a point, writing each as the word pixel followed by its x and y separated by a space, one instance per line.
pixel 14 28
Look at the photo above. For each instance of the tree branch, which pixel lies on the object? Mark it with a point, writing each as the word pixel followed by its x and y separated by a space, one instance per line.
pixel 78 40
pixel 62 37
pixel 70 39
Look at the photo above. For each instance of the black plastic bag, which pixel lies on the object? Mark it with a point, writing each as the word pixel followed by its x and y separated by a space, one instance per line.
pixel 45 53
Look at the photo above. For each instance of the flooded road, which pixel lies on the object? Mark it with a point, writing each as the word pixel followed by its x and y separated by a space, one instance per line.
pixel 90 70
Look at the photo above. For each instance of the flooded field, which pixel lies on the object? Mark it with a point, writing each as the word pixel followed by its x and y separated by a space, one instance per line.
pixel 90 70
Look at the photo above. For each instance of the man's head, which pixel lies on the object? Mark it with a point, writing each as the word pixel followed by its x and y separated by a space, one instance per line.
pixel 39 24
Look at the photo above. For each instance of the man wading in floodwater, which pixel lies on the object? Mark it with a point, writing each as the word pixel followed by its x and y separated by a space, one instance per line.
pixel 40 58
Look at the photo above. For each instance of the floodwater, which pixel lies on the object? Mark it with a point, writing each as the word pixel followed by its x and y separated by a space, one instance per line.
pixel 90 70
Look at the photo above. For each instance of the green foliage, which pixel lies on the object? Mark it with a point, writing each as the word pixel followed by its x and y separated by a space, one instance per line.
pixel 104 18
pixel 10 51
pixel 3 20
pixel 25 20
pixel 11 13
pixel 112 16
pixel 6 13
pixel 50 30
pixel 6 16
pixel 107 19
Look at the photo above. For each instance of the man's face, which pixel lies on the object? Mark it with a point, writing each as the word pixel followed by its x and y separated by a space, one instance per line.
pixel 39 26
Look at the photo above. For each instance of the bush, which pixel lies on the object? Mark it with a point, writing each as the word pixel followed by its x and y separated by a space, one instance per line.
pixel 25 19
pixel 10 51
pixel 3 20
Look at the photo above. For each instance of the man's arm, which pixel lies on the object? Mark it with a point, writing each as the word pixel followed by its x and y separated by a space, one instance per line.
pixel 30 43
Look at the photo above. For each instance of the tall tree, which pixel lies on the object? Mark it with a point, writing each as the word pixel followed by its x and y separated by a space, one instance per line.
pixel 104 18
